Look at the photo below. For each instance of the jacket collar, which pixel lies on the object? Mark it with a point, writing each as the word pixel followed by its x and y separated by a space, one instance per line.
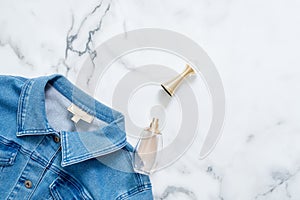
pixel 76 146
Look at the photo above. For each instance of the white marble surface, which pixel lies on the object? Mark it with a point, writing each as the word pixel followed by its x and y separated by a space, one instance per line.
pixel 255 46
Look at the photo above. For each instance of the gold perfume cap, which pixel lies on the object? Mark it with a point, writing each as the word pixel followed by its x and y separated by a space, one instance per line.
pixel 171 85
pixel 154 126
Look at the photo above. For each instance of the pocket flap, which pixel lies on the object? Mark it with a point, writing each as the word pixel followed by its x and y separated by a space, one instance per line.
pixel 8 154
pixel 68 189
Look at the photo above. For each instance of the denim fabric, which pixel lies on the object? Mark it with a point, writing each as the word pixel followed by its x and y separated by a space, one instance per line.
pixel 44 155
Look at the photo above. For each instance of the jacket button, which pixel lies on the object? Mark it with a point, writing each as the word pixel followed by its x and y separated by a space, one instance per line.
pixel 28 184
pixel 56 139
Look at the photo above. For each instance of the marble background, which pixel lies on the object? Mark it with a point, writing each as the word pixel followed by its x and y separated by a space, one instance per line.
pixel 255 46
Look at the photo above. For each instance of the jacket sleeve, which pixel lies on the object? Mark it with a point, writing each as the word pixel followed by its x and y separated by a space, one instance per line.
pixel 137 194
pixel 144 195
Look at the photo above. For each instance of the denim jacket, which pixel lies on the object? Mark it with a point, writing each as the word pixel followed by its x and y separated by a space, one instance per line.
pixel 54 159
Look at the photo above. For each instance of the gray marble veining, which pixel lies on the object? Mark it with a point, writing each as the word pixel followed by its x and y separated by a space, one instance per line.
pixel 255 46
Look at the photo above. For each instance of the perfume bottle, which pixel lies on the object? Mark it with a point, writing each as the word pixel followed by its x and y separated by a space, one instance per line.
pixel 146 151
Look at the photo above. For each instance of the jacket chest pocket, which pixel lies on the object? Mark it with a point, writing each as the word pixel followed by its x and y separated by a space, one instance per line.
pixel 67 188
pixel 8 153
pixel 9 170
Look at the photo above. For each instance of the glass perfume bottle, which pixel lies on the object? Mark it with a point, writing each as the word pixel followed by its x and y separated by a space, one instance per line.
pixel 146 152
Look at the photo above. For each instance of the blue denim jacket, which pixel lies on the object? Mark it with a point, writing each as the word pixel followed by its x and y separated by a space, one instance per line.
pixel 39 161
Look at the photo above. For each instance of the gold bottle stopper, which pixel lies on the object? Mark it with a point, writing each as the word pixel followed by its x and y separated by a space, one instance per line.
pixel 171 85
